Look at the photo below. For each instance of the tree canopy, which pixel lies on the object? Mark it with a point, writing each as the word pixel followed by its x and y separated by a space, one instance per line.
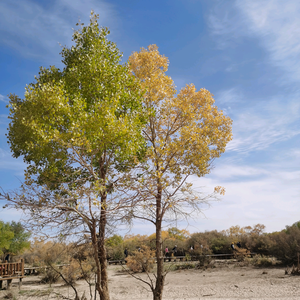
pixel 78 129
pixel 14 239
pixel 184 134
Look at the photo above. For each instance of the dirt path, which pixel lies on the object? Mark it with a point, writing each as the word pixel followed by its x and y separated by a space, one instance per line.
pixel 227 282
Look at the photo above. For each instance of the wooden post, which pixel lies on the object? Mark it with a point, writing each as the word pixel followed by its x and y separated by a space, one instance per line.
pixel 9 284
pixel 1 284
pixel 20 282
pixel 22 266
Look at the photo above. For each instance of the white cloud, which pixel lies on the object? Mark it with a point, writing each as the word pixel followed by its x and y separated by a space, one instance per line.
pixel 277 23
pixel 267 194
pixel 3 99
pixel 36 31
pixel 231 172
pixel 267 122
pixel 229 96
pixel 225 21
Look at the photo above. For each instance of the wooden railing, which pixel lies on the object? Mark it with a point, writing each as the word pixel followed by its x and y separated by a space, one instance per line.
pixel 184 258
pixel 10 271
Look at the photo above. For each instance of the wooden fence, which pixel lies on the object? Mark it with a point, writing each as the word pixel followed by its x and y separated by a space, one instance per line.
pixel 10 271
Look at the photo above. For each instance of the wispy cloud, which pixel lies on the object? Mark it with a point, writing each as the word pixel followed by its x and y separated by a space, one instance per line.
pixel 277 23
pixel 265 124
pixel 225 21
pixel 3 99
pixel 260 123
pixel 35 30
pixel 229 96
pixel 265 194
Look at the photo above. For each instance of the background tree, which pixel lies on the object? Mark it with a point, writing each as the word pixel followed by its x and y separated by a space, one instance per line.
pixel 185 133
pixel 20 240
pixel 14 239
pixel 6 236
pixel 79 131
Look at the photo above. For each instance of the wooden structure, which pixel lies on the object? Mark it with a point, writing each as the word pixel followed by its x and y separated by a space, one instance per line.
pixel 192 257
pixel 10 271
pixel 37 270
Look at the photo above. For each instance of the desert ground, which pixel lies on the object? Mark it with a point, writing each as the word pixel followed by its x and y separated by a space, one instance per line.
pixel 222 281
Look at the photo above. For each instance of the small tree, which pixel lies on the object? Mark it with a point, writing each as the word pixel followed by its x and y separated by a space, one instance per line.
pixel 79 131
pixel 14 239
pixel 6 236
pixel 185 133
pixel 20 241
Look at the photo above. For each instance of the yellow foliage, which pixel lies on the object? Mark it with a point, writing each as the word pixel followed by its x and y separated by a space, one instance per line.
pixel 185 131
pixel 141 261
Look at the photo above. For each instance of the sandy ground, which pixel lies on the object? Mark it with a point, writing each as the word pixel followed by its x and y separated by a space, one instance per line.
pixel 225 281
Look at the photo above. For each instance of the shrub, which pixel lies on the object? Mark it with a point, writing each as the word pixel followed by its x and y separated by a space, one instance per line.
pixel 185 266
pixel 49 276
pixel 204 260
pixel 263 261
pixel 141 261
pixel 286 245
pixel 71 273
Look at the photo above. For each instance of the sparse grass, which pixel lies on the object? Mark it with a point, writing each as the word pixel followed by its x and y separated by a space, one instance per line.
pixel 185 266
pixel 36 293
pixel 9 295
pixel 261 261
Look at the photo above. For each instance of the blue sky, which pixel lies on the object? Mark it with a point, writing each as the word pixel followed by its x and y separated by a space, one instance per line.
pixel 247 53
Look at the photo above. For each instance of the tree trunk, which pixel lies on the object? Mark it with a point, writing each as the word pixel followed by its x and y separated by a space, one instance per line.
pixel 104 295
pixel 103 290
pixel 97 260
pixel 160 277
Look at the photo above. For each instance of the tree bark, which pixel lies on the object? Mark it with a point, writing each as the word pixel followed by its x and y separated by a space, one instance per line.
pixel 104 295
pixel 160 277
pixel 97 260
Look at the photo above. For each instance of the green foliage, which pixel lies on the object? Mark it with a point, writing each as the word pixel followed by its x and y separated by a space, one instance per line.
pixel 90 108
pixel 79 130
pixel 6 236
pixel 114 246
pixel 13 238
pixel 20 241
pixel 114 241
pixel 286 245
pixel 178 234
pixel 220 245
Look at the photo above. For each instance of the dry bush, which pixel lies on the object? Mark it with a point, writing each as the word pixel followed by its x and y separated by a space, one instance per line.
pixel 71 272
pixel 83 256
pixel 141 261
pixel 41 253
pixel 262 261
pixel 287 244
pixel 185 266
pixel 49 276
pixel 204 260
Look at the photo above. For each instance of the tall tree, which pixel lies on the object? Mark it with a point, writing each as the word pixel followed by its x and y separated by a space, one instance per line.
pixel 185 133
pixel 78 129
pixel 20 241
pixel 6 236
